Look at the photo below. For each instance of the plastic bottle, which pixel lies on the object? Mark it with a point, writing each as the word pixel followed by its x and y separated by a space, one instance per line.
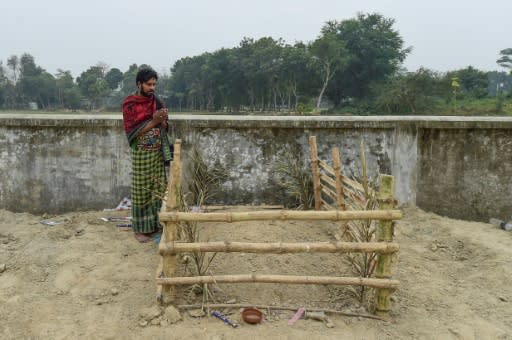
pixel 507 226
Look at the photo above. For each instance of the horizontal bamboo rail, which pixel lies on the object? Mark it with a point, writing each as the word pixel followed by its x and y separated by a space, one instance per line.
pixel 333 215
pixel 289 279
pixel 279 247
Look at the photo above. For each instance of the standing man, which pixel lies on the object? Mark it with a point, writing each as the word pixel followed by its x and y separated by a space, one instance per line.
pixel 145 123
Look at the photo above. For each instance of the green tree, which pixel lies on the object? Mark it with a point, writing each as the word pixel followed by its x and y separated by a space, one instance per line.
pixel 93 86
pixel 3 84
pixel 28 67
pixel 260 61
pixel 375 51
pixel 35 84
pixel 329 57
pixel 68 93
pixel 7 91
pixel 128 82
pixel 298 77
pixel 505 59
pixel 114 77
pixel 473 82
pixel 14 66
pixel 409 92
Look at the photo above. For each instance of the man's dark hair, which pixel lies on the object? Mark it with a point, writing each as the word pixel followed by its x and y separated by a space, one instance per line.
pixel 145 74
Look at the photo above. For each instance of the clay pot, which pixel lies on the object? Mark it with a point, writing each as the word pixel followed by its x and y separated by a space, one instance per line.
pixel 252 315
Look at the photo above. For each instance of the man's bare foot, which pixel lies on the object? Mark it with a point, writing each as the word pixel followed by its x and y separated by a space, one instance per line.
pixel 142 238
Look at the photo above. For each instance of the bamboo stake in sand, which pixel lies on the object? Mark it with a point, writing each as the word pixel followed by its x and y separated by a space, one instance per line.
pixel 170 232
pixel 384 233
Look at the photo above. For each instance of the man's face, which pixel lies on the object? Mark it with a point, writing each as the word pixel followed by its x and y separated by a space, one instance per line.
pixel 148 88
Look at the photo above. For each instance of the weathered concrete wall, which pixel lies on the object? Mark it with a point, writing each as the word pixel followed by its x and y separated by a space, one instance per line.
pixel 59 163
pixel 466 173
pixel 249 155
pixel 454 166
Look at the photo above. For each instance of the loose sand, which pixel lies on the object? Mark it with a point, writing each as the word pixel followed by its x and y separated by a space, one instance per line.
pixel 85 278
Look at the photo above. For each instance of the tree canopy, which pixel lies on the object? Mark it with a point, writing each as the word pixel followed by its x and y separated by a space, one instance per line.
pixel 353 64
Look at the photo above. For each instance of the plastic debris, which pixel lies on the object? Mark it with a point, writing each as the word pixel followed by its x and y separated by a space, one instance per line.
pixel 50 222
pixel 125 204
pixel 219 316
pixel 300 312
pixel 507 226
pixel 115 219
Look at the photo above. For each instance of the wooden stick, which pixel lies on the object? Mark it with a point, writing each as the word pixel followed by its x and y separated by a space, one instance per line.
pixel 279 247
pixel 327 206
pixel 328 180
pixel 315 172
pixel 356 197
pixel 288 279
pixel 326 167
pixel 384 233
pixel 340 196
pixel 352 190
pixel 355 185
pixel 268 307
pixel 329 193
pixel 334 215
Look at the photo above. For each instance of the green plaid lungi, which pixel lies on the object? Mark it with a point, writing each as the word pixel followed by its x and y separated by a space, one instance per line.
pixel 148 187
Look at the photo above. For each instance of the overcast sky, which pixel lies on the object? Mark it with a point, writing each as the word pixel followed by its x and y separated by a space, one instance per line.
pixel 75 34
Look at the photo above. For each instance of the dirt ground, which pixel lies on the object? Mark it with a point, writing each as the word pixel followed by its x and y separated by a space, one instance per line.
pixel 86 278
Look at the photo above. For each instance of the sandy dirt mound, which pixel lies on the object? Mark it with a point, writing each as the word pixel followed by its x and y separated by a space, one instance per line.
pixel 86 278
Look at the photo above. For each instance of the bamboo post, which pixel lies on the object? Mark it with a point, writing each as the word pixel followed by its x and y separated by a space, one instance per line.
pixel 340 197
pixel 170 232
pixel 174 181
pixel 384 233
pixel 317 188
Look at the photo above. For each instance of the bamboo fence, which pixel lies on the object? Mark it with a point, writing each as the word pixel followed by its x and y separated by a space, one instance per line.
pixel 327 181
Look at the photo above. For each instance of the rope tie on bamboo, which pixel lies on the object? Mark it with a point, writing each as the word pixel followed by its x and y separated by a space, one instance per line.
pixel 230 217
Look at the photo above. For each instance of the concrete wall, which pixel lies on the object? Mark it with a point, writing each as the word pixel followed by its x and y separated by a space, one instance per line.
pixel 458 167
pixel 58 163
